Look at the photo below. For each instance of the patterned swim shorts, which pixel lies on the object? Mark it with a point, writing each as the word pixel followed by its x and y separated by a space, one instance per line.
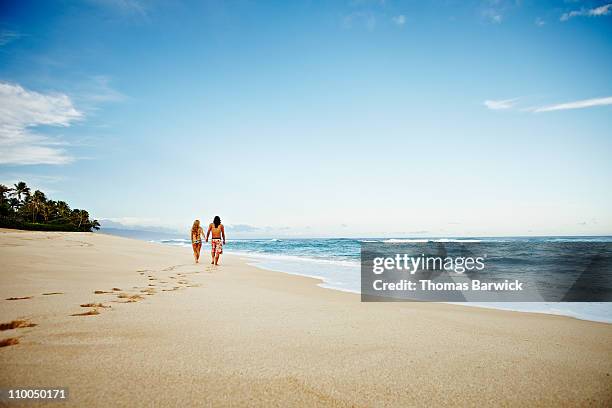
pixel 217 246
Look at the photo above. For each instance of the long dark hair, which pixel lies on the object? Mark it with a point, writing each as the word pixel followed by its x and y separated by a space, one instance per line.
pixel 217 221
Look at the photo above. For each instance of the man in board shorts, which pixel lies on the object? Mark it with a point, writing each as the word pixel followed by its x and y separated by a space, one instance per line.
pixel 218 239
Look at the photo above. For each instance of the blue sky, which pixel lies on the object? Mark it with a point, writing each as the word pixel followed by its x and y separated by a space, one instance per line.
pixel 353 118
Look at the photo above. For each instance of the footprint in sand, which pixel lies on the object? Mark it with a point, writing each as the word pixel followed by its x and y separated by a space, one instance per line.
pixel 9 342
pixel 53 293
pixel 149 291
pixel 101 292
pixel 20 298
pixel 94 305
pixel 16 324
pixel 88 313
pixel 116 289
pixel 129 298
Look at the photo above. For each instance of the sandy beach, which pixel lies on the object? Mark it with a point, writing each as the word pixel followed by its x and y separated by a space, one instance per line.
pixel 172 333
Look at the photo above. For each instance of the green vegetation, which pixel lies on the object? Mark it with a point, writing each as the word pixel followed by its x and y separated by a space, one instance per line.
pixel 22 210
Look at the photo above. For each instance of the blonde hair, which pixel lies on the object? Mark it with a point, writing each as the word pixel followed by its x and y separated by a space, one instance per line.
pixel 195 228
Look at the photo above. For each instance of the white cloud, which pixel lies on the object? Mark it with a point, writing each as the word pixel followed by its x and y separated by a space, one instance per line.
pixel 594 12
pixel 22 110
pixel 540 22
pixel 399 20
pixel 586 103
pixel 493 15
pixel 8 36
pixel 601 11
pixel 500 104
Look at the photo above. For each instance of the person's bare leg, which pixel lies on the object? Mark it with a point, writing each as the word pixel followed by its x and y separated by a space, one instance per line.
pixel 217 259
pixel 212 257
pixel 198 249
pixel 195 253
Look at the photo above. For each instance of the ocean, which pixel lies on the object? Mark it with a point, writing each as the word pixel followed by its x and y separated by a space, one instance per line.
pixel 337 263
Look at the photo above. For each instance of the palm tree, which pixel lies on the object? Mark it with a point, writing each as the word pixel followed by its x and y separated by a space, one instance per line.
pixel 37 204
pixel 3 193
pixel 84 219
pixel 63 210
pixel 5 208
pixel 21 189
pixel 18 206
pixel 13 203
pixel 79 217
pixel 49 210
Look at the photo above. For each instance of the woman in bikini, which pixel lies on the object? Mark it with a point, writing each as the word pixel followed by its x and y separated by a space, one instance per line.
pixel 196 239
pixel 218 239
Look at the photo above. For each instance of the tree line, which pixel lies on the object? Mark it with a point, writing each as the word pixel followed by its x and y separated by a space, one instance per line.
pixel 22 209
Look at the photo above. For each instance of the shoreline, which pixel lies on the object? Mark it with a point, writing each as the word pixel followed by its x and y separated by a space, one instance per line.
pixel 321 283
pixel 294 265
pixel 238 334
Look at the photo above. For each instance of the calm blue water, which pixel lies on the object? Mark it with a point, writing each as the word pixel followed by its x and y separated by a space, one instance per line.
pixel 336 262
